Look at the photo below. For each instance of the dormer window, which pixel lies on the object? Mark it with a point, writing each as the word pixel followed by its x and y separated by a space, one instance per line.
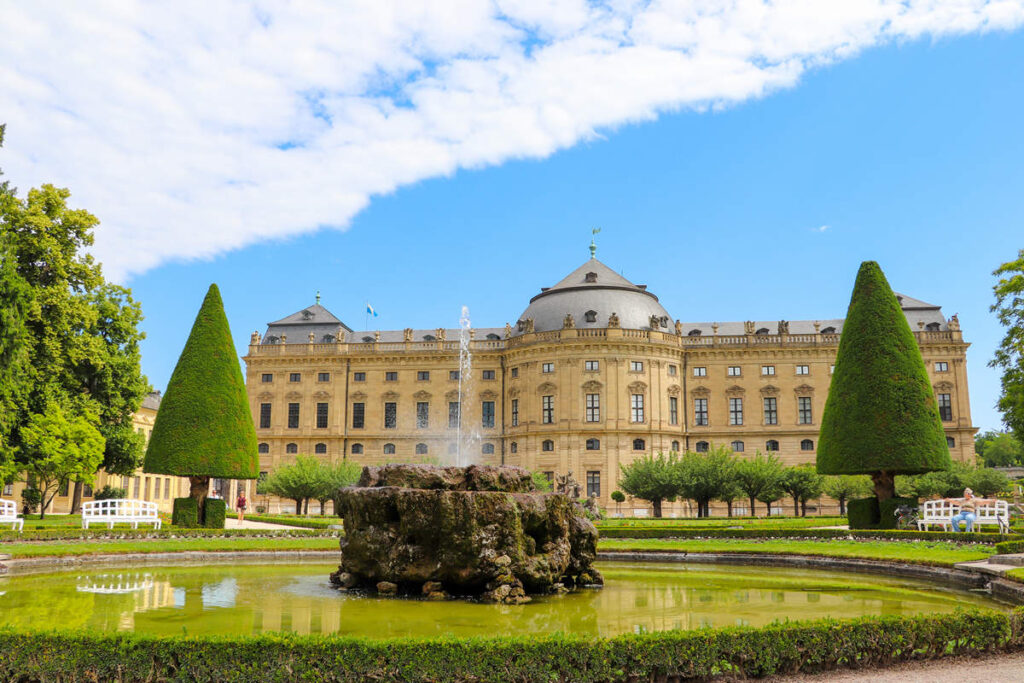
pixel 829 330
pixel 590 277
pixel 693 333
pixel 932 327
pixel 429 337
pixel 367 339
pixel 762 330
pixel 493 337
pixel 663 320
pixel 590 316
pixel 271 339
pixel 307 315
pixel 329 339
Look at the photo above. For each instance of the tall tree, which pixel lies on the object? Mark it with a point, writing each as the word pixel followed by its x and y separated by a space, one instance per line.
pixel 1009 357
pixel 802 484
pixel 847 486
pixel 204 428
pixel 1000 449
pixel 881 417
pixel 704 477
pixel 759 477
pixel 652 477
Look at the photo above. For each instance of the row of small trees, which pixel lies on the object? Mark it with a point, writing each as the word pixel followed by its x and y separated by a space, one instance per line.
pixel 309 479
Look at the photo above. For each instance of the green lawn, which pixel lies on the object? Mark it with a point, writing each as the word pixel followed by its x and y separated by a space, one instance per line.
pixel 1016 574
pixel 726 522
pixel 120 547
pixel 301 521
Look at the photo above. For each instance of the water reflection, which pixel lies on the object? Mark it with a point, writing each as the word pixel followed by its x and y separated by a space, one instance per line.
pixel 638 598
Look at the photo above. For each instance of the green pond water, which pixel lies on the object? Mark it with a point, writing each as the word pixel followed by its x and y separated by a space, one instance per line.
pixel 637 597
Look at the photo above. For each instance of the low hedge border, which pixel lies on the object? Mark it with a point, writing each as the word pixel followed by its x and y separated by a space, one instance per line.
pixel 785 648
pixel 1010 547
pixel 809 534
pixel 300 522
pixel 73 534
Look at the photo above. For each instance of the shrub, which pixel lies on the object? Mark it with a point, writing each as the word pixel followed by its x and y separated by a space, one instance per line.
pixel 216 510
pixel 618 496
pixel 186 513
pixel 804 534
pixel 109 492
pixel 863 513
pixel 1010 547
pixel 881 416
pixel 31 497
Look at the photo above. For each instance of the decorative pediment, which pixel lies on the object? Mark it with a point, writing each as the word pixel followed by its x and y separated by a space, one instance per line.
pixel 546 388
pixel 322 394
pixel 390 395
pixel 513 392
pixel 637 387
pixel 674 390
pixel 592 386
pixel 421 395
pixel 358 396
pixel 293 395
pixel 769 390
pixel 804 389
pixel 701 392
pixel 735 390
pixel 488 395
pixel 265 396
pixel 452 395
pixel 944 386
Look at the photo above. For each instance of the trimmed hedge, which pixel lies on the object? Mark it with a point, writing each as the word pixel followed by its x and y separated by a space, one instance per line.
pixel 881 413
pixel 866 534
pixel 214 511
pixel 740 652
pixel 863 513
pixel 74 534
pixel 186 513
pixel 1010 547
pixel 292 520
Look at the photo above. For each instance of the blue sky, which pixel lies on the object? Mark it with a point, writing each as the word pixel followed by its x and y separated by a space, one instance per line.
pixel 712 187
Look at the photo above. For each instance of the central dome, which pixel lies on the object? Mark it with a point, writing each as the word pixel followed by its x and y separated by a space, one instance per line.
pixel 591 294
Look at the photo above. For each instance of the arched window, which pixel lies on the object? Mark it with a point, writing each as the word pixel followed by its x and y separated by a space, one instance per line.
pixel 593 444
pixel 487 449
pixel 429 337
pixel 675 446
pixel 932 327
pixel 639 445
pixel 357 449
pixel 693 333
pixel 263 448
pixel 590 316
pixel 421 449
pixel 762 330
pixel 737 446
pixel 547 445
pixel 389 449
pixel 807 445
pixel 951 442
pixel 493 337
pixel 702 447
pixel 367 340
pixel 829 330
pixel 771 445
pixel 328 339
pixel 320 448
pixel 513 447
pixel 291 448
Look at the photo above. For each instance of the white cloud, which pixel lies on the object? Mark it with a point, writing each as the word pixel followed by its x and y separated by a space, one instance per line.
pixel 821 228
pixel 192 128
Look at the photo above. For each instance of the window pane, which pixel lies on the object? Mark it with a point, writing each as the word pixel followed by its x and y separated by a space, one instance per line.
pixel 487 410
pixel 593 484
pixel 771 413
pixel 293 416
pixel 422 415
pixel 804 415
pixel 593 412
pixel 700 412
pixel 548 410
pixel 673 410
pixel 321 416
pixel 358 415
pixel 735 411
pixel 945 407
pixel 515 412
pixel 264 416
pixel 453 414
pixel 637 407
pixel 390 415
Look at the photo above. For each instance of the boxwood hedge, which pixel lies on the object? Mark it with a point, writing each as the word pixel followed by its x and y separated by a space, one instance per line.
pixel 72 534
pixel 872 534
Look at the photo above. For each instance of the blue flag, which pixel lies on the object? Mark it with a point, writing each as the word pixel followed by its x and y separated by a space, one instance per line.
pixel 369 310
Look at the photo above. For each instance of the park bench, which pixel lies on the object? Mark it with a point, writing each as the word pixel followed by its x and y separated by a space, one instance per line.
pixel 121 510
pixel 9 515
pixel 940 512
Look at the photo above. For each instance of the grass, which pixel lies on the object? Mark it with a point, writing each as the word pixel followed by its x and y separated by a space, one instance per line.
pixel 915 552
pixel 726 522
pixel 121 547
pixel 1015 575
pixel 297 520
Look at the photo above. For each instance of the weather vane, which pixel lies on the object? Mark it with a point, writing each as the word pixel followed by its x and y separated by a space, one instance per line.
pixel 318 296
pixel 593 245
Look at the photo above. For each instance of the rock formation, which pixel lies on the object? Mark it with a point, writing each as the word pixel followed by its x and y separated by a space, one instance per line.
pixel 473 531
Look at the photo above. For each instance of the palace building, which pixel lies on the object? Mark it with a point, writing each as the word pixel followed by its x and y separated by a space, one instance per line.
pixel 594 373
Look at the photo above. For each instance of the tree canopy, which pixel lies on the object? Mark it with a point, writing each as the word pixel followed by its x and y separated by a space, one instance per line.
pixel 881 417
pixel 1009 357
pixel 759 478
pixel 652 477
pixel 704 477
pixel 999 449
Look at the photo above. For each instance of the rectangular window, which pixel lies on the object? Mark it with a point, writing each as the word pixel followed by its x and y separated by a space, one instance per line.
pixel 547 409
pixel 593 484
pixel 391 376
pixel 700 372
pixel 771 411
pixel 803 406
pixel 264 416
pixel 9 489
pixel 488 374
pixel 293 416
pixel 390 415
pixel 831 369
pixel 672 370
pixel 941 366
pixel 422 415
pixel 358 415
pixel 700 412
pixel 358 376
pixel 636 408
pixel 636 366
pixel 591 365
pixel 593 407
pixel 453 414
pixel 803 370
pixel 321 416
pixel 295 377
pixel 167 488
pixel 145 495
pixel 735 411
pixel 453 375
pixel 487 413
pixel 767 370
pixel 945 407
pixel 514 373
pixel 267 378
pixel 515 412
pixel 547 367
pixel 673 410
pixel 135 486
pixel 323 377
pixel 733 371
pixel 423 376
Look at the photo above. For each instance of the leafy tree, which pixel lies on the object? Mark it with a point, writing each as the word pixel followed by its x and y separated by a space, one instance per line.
pixel 619 497
pixel 881 417
pixel 846 486
pixel 999 449
pixel 60 448
pixel 703 477
pixel 1009 357
pixel 298 481
pixel 770 495
pixel 653 478
pixel 204 428
pixel 802 483
pixel 983 481
pixel 759 476
pixel 540 481
pixel 986 482
pixel 336 477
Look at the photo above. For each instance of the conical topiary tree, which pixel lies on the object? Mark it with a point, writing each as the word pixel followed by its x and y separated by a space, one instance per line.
pixel 204 428
pixel 881 417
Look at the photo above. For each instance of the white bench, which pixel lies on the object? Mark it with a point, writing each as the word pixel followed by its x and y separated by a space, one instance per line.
pixel 940 512
pixel 9 515
pixel 116 510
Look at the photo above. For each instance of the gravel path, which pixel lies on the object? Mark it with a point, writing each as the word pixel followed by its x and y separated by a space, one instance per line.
pixel 1006 668
pixel 233 523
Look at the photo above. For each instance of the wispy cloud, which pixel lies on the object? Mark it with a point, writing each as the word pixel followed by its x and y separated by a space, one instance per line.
pixel 821 228
pixel 192 128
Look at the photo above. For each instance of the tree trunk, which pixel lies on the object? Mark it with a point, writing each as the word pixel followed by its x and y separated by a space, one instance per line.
pixel 768 506
pixel 199 488
pixel 728 504
pixel 753 510
pixel 842 505
pixel 885 485
pixel 657 507
pixel 76 498
pixel 796 506
pixel 803 508
pixel 298 506
pixel 305 508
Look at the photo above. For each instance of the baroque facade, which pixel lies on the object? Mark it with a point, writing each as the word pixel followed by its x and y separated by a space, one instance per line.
pixel 594 373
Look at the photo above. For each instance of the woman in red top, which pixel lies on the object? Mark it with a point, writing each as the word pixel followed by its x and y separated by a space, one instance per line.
pixel 240 505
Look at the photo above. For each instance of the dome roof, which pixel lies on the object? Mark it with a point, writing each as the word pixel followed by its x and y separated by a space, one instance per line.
pixel 590 294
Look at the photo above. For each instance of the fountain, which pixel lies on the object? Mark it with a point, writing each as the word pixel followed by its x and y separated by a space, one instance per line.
pixel 475 531
pixel 462 446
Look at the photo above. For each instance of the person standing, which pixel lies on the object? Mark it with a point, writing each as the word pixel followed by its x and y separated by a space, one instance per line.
pixel 240 505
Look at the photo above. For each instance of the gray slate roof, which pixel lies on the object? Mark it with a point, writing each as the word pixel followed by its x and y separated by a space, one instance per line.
pixel 314 319
pixel 152 400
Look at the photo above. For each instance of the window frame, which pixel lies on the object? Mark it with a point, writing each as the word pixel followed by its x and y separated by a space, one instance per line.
pixel 358 415
pixel 422 414
pixel 592 407
pixel 700 412
pixel 487 414
pixel 636 408
pixel 593 483
pixel 322 415
pixel 735 411
pixel 636 366
pixel 547 368
pixel 673 410
pixel 771 410
pixel 267 378
pixel 294 377
pixel 945 405
pixel 700 371
pixel 767 370
pixel 803 370
pixel 734 371
pixel 266 411
pixel 547 410
pixel 804 410
pixel 294 413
